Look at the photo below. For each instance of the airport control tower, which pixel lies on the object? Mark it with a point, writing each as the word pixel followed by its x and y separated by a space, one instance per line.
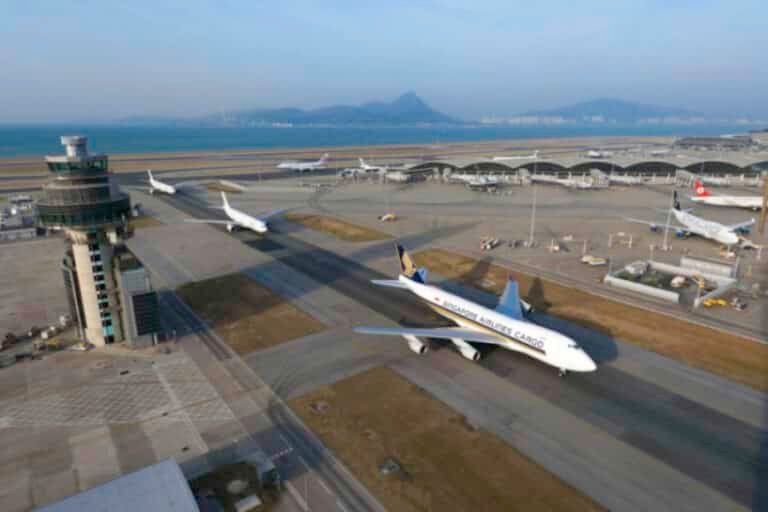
pixel 83 199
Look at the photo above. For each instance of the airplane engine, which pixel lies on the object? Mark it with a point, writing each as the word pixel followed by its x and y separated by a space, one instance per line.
pixel 416 345
pixel 470 353
pixel 654 228
pixel 230 227
pixel 466 349
pixel 680 233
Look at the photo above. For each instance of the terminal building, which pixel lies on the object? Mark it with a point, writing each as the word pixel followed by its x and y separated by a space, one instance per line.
pixel 110 296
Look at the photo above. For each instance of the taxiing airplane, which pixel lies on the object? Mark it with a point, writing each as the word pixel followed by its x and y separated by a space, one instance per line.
pixel 158 186
pixel 533 156
pixel 505 326
pixel 304 166
pixel 728 235
pixel 240 219
pixel 705 197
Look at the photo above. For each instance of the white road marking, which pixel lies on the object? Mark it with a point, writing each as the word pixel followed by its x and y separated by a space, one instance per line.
pixel 324 486
pixel 296 495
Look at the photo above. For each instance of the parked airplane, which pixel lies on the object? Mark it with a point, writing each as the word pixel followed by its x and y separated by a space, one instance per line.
pixel 592 153
pixel 570 182
pixel 505 326
pixel 372 168
pixel 728 235
pixel 304 166
pixel 704 196
pixel 476 182
pixel 533 156
pixel 240 219
pixel 159 186
pixel 625 179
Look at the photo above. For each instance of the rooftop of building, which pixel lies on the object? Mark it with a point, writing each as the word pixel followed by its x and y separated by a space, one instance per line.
pixel 160 487
pixel 126 260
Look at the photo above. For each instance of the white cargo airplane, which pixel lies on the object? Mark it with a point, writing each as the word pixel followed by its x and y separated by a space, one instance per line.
pixel 728 235
pixel 705 197
pixel 159 186
pixel 304 166
pixel 505 326
pixel 240 219
pixel 533 156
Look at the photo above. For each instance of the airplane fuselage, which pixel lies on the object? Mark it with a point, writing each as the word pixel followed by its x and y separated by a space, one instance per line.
pixel 298 166
pixel 706 228
pixel 752 202
pixel 159 186
pixel 244 220
pixel 533 340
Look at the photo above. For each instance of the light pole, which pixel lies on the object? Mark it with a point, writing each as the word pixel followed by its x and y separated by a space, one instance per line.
pixel 666 228
pixel 533 218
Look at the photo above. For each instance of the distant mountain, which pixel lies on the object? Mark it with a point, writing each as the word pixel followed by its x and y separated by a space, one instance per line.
pixel 613 110
pixel 407 109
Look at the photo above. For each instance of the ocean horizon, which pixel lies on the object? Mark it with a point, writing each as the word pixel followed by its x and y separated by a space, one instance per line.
pixel 37 140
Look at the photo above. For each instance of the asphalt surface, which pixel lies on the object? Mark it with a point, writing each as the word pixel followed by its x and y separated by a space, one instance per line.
pixel 724 454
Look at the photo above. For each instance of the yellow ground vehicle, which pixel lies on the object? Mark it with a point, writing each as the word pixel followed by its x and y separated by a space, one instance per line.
pixel 714 302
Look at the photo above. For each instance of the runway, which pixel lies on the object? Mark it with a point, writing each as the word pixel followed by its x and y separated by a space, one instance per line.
pixel 624 439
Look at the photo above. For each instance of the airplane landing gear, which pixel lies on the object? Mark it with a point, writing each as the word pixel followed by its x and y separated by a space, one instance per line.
pixel 561 373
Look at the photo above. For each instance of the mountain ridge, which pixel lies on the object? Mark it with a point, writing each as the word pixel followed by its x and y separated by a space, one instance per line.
pixel 613 109
pixel 406 109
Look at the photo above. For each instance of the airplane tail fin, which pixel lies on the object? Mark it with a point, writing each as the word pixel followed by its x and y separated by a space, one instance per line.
pixel 362 162
pixel 698 186
pixel 149 172
pixel 408 267
pixel 224 201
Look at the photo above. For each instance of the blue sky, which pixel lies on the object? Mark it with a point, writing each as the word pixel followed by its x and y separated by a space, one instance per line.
pixel 98 60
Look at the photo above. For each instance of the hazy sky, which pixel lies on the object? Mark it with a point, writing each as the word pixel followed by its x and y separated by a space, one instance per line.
pixel 104 59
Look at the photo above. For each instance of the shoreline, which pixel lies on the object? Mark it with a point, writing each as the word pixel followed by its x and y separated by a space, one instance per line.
pixel 436 148
pixel 23 142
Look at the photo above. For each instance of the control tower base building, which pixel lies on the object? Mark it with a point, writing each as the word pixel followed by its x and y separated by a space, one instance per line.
pixel 83 199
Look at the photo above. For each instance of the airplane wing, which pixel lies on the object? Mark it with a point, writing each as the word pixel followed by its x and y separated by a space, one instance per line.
pixel 267 215
pixel 741 225
pixel 209 221
pixel 392 283
pixel 657 224
pixel 435 332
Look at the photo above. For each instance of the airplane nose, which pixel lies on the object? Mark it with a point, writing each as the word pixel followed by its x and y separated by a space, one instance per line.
pixel 586 364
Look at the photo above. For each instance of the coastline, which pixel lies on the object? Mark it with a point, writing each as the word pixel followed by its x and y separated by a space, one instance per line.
pixel 27 141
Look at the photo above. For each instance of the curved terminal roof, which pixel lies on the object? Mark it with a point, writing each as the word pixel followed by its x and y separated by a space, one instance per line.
pixel 630 164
